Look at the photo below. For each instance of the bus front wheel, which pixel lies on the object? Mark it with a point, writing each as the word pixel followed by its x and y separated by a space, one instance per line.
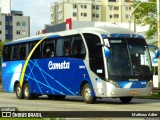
pixel 26 92
pixel 19 92
pixel 87 94
pixel 125 99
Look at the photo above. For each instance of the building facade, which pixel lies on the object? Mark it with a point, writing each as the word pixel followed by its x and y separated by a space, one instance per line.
pixel 2 26
pixel 78 10
pixel 14 26
pixel 114 11
pixel 20 25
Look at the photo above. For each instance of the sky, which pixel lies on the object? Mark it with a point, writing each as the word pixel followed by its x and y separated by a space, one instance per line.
pixel 38 10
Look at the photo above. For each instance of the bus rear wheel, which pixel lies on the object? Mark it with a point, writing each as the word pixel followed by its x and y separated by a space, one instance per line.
pixel 26 92
pixel 87 94
pixel 125 99
pixel 18 91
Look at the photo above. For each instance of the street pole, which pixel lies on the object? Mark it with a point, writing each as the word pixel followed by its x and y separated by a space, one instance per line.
pixel 158 29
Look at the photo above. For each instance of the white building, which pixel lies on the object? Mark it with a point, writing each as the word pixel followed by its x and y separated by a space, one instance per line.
pixel 78 10
pixel 115 11
pixel 5 6
pixel 2 26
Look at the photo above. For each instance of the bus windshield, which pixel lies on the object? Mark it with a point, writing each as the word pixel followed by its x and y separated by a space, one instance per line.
pixel 129 58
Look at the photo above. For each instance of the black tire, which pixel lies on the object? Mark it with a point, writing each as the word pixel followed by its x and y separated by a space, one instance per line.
pixel 56 97
pixel 35 96
pixel 125 99
pixel 87 94
pixel 19 92
pixel 50 97
pixel 26 92
pixel 59 97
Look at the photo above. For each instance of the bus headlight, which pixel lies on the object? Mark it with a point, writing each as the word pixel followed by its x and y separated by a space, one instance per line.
pixel 114 83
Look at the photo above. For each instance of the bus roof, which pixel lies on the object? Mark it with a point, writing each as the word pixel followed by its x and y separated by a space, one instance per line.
pixel 107 31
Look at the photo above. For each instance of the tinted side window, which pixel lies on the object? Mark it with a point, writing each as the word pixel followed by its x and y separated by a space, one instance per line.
pixel 78 47
pixel 6 53
pixel 63 47
pixel 15 52
pixel 48 48
pixel 37 53
pixel 70 46
pixel 23 51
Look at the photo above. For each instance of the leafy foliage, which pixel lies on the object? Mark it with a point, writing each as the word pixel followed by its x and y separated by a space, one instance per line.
pixel 146 14
pixel 1 47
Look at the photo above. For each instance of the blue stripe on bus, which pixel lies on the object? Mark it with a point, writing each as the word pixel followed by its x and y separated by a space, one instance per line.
pixel 34 77
pixel 134 84
pixel 42 84
pixel 43 75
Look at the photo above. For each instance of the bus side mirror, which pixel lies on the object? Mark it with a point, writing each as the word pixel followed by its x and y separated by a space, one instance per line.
pixel 106 52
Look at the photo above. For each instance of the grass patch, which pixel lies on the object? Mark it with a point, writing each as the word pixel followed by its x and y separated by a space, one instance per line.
pixel 1 88
pixel 1 91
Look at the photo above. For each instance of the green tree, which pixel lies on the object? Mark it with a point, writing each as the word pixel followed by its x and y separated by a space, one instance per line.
pixel 146 14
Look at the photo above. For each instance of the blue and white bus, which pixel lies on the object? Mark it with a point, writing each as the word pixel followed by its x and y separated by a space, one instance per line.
pixel 89 62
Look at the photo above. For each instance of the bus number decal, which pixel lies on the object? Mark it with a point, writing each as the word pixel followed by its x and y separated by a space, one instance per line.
pixel 63 65
pixel 82 67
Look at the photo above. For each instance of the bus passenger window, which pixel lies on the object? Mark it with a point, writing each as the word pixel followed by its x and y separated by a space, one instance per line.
pixel 66 51
pixel 76 51
pixel 49 52
pixel 48 48
pixel 7 53
pixel 59 48
pixel 36 54
pixel 23 51
pixel 67 48
pixel 15 52
pixel 78 48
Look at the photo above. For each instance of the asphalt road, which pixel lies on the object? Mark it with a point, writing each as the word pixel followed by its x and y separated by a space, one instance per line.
pixel 76 104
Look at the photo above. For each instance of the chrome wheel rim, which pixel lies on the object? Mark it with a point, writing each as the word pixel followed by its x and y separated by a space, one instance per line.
pixel 26 91
pixel 19 91
pixel 87 94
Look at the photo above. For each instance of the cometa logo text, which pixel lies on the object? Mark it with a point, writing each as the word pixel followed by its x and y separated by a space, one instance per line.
pixel 54 66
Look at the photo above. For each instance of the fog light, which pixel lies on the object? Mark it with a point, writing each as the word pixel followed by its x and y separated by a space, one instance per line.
pixel 112 93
